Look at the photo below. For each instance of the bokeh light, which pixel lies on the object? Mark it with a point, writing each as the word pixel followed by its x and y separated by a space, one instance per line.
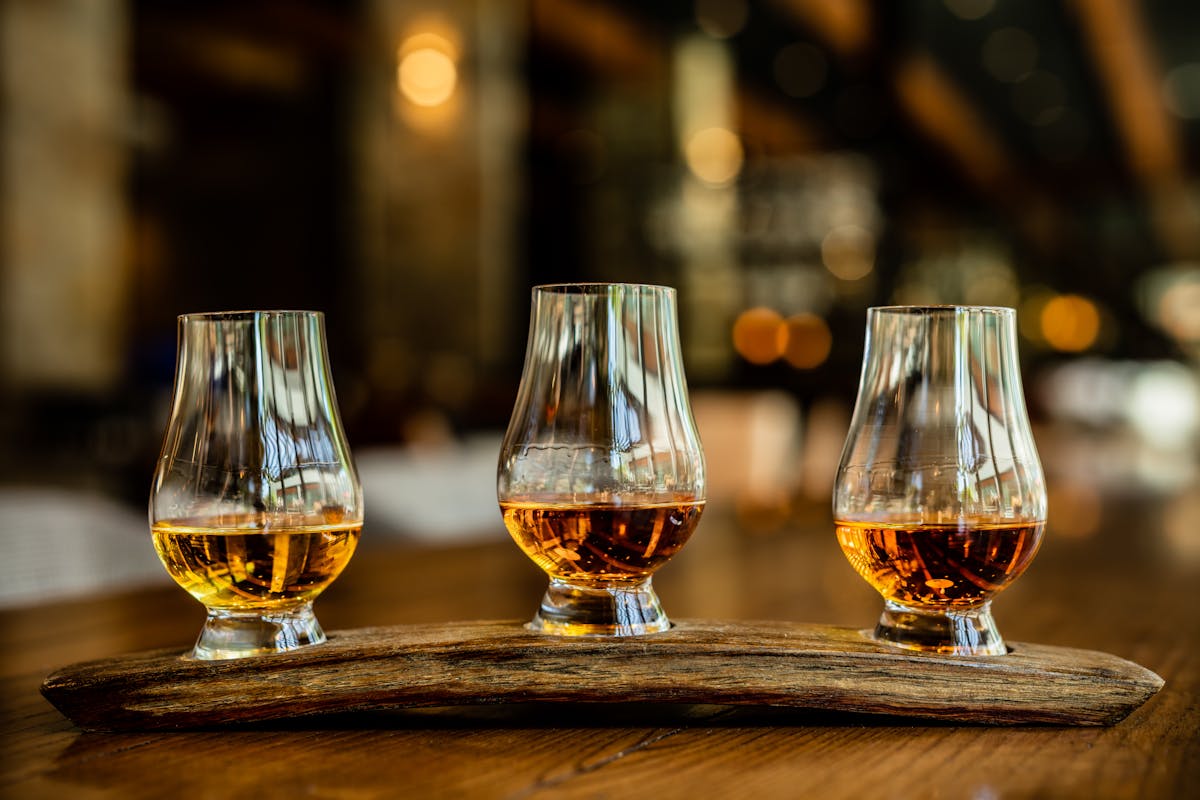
pixel 427 75
pixel 756 335
pixel 848 252
pixel 805 341
pixel 1070 323
pixel 714 155
pixel 1164 405
pixel 1179 310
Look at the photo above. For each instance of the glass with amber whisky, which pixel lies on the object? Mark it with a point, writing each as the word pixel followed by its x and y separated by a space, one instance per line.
pixel 601 475
pixel 939 500
pixel 256 506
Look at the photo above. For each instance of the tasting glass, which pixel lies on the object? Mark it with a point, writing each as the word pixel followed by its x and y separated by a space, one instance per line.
pixel 939 499
pixel 601 475
pixel 255 506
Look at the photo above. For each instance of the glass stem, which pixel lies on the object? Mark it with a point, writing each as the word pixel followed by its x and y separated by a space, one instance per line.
pixel 230 634
pixel 967 632
pixel 614 610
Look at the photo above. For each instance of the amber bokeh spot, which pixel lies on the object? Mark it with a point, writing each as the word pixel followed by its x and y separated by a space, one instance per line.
pixel 1070 323
pixel 804 340
pixel 756 335
pixel 715 155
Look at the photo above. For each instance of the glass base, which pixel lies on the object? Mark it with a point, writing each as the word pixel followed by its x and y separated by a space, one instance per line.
pixel 966 632
pixel 229 634
pixel 615 610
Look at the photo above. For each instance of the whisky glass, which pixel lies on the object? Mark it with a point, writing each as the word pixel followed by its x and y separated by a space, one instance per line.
pixel 939 499
pixel 256 506
pixel 601 475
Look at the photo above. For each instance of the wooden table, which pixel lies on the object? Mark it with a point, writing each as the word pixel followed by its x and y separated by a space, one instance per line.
pixel 1128 589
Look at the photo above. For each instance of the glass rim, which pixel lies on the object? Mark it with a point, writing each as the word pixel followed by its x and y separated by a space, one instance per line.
pixel 246 315
pixel 943 309
pixel 597 287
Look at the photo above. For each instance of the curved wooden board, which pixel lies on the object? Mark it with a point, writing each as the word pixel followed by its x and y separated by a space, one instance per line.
pixel 710 662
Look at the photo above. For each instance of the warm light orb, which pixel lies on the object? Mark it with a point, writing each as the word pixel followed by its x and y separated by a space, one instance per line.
pixel 1070 323
pixel 1179 310
pixel 848 252
pixel 756 335
pixel 427 76
pixel 714 155
pixel 804 340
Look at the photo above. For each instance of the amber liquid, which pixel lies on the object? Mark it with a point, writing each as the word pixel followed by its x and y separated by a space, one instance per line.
pixel 256 561
pixel 591 544
pixel 940 566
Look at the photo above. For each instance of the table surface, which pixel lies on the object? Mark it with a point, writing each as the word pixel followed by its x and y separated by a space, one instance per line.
pixel 1125 588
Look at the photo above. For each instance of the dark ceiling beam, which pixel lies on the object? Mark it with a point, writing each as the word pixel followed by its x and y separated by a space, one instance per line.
pixel 939 112
pixel 604 39
pixel 844 25
pixel 1120 48
pixel 946 117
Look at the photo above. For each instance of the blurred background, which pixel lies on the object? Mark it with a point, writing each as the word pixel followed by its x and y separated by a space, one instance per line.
pixel 412 168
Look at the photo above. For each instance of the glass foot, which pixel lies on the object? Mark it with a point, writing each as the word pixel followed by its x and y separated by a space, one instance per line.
pixel 621 610
pixel 968 632
pixel 228 634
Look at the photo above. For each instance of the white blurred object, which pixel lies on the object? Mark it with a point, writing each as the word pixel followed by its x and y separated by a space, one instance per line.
pixel 1088 390
pixel 1142 423
pixel 1170 299
pixel 1164 405
pixel 1158 400
pixel 56 543
pixel 442 493
pixel 828 425
pixel 751 443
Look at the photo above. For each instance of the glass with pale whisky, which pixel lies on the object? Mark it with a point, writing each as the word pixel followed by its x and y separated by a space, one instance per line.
pixel 939 500
pixel 256 506
pixel 601 475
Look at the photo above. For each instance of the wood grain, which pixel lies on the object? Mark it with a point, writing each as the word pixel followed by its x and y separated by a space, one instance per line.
pixel 1121 590
pixel 697 662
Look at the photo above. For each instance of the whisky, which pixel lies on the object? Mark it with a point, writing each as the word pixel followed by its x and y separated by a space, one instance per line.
pixel 256 562
pixel 590 544
pixel 940 566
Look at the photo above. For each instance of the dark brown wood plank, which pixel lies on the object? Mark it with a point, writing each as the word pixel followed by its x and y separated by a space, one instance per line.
pixel 698 662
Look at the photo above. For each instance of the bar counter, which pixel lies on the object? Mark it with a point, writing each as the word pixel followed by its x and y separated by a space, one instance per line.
pixel 1127 588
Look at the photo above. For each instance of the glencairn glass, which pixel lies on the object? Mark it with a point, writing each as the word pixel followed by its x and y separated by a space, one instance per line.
pixel 939 499
pixel 256 506
pixel 601 475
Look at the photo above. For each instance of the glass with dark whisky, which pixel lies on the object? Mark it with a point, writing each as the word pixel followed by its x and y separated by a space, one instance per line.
pixel 601 475
pixel 256 506
pixel 939 501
